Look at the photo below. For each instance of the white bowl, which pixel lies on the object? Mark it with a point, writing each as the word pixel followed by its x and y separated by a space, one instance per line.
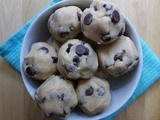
pixel 122 87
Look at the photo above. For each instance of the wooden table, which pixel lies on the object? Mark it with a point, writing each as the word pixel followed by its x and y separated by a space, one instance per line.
pixel 16 104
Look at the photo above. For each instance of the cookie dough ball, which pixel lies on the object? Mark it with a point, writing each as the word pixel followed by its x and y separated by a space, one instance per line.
pixel 93 95
pixel 77 60
pixel 41 61
pixel 64 23
pixel 103 22
pixel 56 96
pixel 118 57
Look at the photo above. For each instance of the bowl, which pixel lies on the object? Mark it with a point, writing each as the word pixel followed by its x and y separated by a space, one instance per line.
pixel 122 87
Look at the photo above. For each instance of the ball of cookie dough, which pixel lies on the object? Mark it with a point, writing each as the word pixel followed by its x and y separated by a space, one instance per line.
pixel 64 23
pixel 103 22
pixel 41 61
pixel 118 57
pixel 93 95
pixel 56 96
pixel 77 60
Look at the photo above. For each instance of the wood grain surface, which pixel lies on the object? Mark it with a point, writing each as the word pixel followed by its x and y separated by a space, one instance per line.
pixel 16 104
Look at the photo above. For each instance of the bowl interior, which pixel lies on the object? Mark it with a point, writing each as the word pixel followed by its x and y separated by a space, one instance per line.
pixel 121 87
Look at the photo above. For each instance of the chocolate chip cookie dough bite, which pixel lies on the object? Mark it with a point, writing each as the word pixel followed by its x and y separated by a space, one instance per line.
pixel 41 61
pixel 64 23
pixel 118 57
pixel 93 95
pixel 56 97
pixel 103 22
pixel 77 60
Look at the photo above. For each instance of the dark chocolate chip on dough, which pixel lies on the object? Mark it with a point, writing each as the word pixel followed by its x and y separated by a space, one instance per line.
pixel 81 50
pixel 61 96
pixel 118 56
pixel 44 99
pixel 95 8
pixel 43 49
pixel 55 59
pixel 76 60
pixel 107 8
pixel 137 58
pixel 69 68
pixel 115 16
pixel 88 19
pixel 30 71
pixel 63 33
pixel 69 47
pixel 89 91
pixel 105 37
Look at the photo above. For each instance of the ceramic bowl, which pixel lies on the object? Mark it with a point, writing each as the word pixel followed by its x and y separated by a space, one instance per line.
pixel 122 87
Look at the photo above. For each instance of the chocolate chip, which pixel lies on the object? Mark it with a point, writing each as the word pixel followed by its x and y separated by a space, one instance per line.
pixel 137 58
pixel 104 5
pixel 81 50
pixel 89 91
pixel 107 8
pixel 62 96
pixel 101 91
pixel 88 19
pixel 76 61
pixel 124 51
pixel 44 99
pixel 55 59
pixel 115 16
pixel 69 47
pixel 105 37
pixel 44 49
pixel 79 16
pixel 48 115
pixel 30 71
pixel 69 68
pixel 120 33
pixel 87 52
pixel 59 97
pixel 118 56
pixel 63 33
pixel 95 8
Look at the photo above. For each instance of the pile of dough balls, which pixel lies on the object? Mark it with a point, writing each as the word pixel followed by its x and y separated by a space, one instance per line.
pixel 83 48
